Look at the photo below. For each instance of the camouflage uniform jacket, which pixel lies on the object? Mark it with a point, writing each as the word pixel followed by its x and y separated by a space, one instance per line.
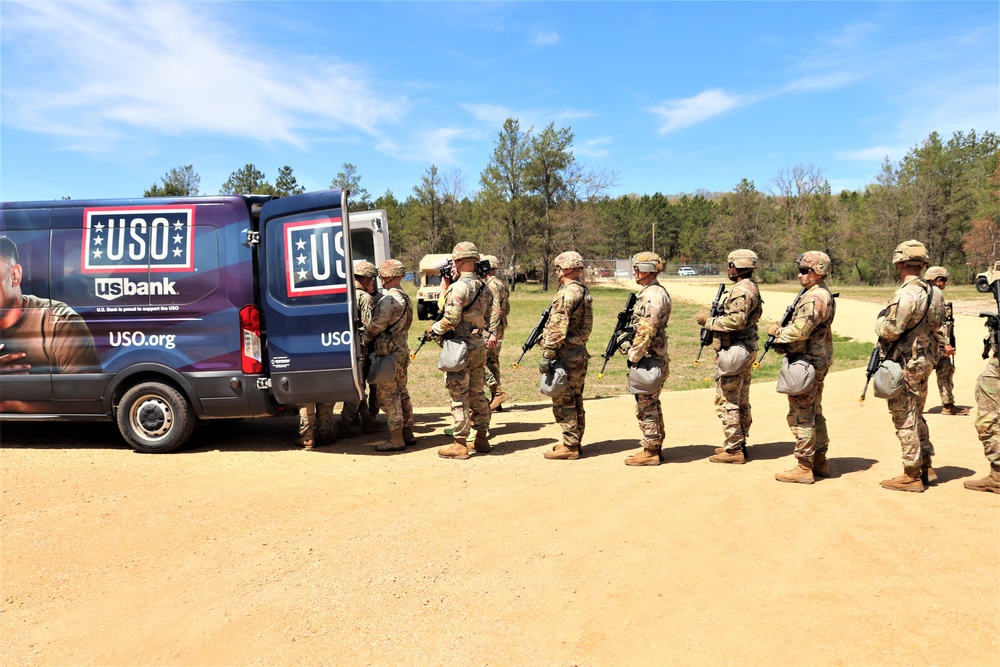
pixel 501 305
pixel 390 323
pixel 571 319
pixel 740 312
pixel 365 303
pixel 649 319
pixel 810 333
pixel 467 304
pixel 906 308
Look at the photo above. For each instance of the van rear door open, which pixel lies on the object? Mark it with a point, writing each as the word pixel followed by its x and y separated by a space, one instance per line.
pixel 307 298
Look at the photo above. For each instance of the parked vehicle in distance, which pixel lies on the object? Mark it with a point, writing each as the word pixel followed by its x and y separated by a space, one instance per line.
pixel 708 270
pixel 686 271
pixel 986 278
pixel 429 288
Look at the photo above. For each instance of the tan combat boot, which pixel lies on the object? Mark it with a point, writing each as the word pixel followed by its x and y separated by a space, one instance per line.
pixel 927 474
pixel 394 443
pixel 645 457
pixel 908 481
pixel 729 457
pixel 481 444
pixel 408 436
pixel 821 467
pixel 802 473
pixel 989 484
pixel 950 409
pixel 499 396
pixel 563 453
pixel 307 442
pixel 346 429
pixel 456 450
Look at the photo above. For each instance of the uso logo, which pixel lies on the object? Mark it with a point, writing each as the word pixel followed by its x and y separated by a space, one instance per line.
pixel 138 239
pixel 314 257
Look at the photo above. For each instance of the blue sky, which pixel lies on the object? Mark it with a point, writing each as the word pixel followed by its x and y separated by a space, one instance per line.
pixel 100 100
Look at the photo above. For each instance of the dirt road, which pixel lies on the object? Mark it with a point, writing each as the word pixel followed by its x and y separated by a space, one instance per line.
pixel 242 550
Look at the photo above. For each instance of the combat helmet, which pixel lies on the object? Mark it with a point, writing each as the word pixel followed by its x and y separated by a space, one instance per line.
pixel 818 261
pixel 569 260
pixel 936 272
pixel 391 268
pixel 365 269
pixel 465 250
pixel 647 262
pixel 743 259
pixel 911 252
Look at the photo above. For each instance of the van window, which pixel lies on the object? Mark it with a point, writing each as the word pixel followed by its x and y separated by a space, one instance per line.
pixel 363 245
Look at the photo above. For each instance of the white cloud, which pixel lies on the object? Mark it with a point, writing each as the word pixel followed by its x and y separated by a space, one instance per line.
pixel 597 147
pixel 872 154
pixel 820 82
pixel 678 114
pixel 93 72
pixel 545 38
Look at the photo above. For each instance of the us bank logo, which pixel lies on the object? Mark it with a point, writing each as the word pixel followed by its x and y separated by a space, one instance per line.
pixel 135 239
pixel 314 257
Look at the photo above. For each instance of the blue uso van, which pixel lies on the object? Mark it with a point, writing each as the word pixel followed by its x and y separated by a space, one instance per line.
pixel 160 312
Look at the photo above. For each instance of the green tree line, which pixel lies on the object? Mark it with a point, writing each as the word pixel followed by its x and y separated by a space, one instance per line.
pixel 535 200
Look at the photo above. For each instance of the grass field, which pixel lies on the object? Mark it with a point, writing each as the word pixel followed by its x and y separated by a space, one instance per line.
pixel 426 383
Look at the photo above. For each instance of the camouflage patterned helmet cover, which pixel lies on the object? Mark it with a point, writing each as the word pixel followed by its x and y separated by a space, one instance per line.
pixel 647 262
pixel 935 272
pixel 465 250
pixel 817 261
pixel 365 269
pixel 743 259
pixel 569 260
pixel 494 262
pixel 910 252
pixel 391 268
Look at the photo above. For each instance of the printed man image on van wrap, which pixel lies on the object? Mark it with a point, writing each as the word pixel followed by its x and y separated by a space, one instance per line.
pixel 38 335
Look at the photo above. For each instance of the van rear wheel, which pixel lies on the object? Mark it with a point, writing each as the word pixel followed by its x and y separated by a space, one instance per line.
pixel 155 418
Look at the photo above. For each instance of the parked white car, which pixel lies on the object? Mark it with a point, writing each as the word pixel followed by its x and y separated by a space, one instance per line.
pixel 686 271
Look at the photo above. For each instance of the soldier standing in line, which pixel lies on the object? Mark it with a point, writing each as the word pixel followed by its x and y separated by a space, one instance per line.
pixel 387 334
pixel 736 326
pixel 564 340
pixel 467 304
pixel 945 367
pixel 497 327
pixel 364 294
pixel 988 411
pixel 809 335
pixel 916 310
pixel 649 321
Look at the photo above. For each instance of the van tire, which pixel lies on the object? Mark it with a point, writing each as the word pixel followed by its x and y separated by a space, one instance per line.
pixel 982 285
pixel 421 310
pixel 155 418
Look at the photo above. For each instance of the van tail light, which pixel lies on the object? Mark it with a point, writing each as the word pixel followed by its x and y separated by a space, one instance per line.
pixel 250 329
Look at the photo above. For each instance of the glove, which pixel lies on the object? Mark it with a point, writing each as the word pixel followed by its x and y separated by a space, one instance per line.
pixel 429 333
pixel 773 330
pixel 625 346
pixel 701 318
pixel 545 366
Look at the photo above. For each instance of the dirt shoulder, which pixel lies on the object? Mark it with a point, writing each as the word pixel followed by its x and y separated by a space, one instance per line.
pixel 244 550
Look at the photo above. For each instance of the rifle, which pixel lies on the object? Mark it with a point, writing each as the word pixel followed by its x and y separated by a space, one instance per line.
pixel 533 337
pixel 621 327
pixel 951 335
pixel 426 337
pixel 785 321
pixel 706 334
pixel 992 323
pixel 874 361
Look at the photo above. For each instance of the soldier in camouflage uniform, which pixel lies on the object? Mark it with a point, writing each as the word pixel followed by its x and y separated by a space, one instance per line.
pixel 364 291
pixel 386 332
pixel 988 416
pixel 564 340
pixel 307 425
pixel 497 326
pixel 649 321
pixel 467 304
pixel 736 326
pixel 809 335
pixel 945 367
pixel 918 306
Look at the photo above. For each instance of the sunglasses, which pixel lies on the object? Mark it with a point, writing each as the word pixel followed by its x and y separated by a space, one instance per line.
pixel 942 280
pixel 803 270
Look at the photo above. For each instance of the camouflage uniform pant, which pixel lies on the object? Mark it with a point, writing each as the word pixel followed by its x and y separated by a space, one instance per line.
pixel 492 377
pixel 567 407
pixel 987 407
pixel 394 397
pixel 469 407
pixel 806 420
pixel 732 405
pixel 313 415
pixel 907 412
pixel 649 412
pixel 945 372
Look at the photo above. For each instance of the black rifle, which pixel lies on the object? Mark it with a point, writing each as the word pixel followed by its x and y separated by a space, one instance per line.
pixel 950 320
pixel 786 319
pixel 706 334
pixel 623 332
pixel 992 323
pixel 426 337
pixel 533 337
